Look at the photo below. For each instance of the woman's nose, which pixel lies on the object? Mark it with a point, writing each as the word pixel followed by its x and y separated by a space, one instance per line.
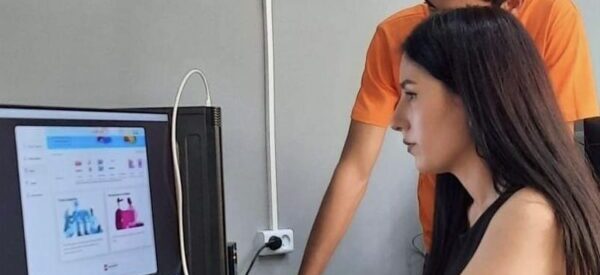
pixel 399 122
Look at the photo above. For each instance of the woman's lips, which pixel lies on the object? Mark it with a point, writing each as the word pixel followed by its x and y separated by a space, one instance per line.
pixel 409 145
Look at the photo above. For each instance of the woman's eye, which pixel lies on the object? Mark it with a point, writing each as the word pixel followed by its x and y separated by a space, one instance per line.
pixel 411 95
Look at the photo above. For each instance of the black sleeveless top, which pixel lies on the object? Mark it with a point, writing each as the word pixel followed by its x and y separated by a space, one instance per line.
pixel 467 243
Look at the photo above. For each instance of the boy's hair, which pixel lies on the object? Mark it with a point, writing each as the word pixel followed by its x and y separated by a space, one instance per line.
pixel 496 3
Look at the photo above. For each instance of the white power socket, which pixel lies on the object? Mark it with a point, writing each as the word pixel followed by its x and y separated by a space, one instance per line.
pixel 287 241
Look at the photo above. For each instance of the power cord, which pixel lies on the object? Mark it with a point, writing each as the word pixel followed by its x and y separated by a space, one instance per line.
pixel 174 150
pixel 274 243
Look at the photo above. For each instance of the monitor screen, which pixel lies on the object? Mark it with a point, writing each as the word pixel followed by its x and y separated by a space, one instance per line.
pixel 89 183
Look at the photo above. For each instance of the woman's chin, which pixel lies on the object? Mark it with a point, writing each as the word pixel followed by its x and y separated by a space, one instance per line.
pixel 425 168
pixel 421 167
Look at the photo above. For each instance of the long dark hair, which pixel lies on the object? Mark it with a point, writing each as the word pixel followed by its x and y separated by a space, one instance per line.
pixel 485 55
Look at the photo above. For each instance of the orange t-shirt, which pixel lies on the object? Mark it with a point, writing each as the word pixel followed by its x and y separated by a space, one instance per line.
pixel 558 32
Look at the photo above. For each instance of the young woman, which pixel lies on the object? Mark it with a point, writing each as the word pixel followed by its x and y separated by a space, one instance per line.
pixel 514 195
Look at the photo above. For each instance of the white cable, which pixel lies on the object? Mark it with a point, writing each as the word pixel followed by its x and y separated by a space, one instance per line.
pixel 178 185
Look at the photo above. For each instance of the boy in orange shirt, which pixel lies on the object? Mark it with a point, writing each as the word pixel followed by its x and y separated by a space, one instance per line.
pixel 557 29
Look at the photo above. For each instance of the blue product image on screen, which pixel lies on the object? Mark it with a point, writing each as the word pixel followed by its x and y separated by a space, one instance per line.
pixel 80 222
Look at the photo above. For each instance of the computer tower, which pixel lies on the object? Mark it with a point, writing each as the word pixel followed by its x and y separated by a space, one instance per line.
pixel 200 156
pixel 232 258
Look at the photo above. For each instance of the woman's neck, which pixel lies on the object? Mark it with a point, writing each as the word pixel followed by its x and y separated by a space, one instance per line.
pixel 476 178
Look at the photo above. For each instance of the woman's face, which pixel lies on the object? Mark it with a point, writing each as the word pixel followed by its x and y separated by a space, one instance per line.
pixel 432 120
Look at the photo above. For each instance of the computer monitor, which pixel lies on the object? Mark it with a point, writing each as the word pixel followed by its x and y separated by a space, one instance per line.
pixel 86 192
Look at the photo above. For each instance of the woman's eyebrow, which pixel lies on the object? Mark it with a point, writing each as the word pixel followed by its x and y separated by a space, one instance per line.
pixel 406 82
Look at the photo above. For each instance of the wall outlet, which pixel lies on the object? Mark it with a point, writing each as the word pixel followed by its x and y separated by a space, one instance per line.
pixel 287 241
